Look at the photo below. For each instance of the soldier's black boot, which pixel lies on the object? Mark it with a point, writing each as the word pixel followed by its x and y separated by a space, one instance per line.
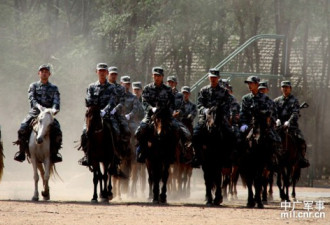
pixel 23 147
pixel 20 156
pixel 55 143
pixel 302 161
pixel 84 161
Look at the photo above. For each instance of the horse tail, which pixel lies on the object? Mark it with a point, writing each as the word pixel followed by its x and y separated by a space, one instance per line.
pixel 53 172
pixel 1 160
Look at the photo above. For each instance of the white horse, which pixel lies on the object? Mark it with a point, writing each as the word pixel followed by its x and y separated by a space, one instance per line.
pixel 39 146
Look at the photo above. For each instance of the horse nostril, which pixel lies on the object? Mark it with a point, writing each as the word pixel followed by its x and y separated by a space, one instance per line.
pixel 39 140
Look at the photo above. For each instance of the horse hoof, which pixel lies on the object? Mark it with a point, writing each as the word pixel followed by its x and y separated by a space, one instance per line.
pixel 260 205
pixel 265 202
pixel 251 204
pixel 35 199
pixel 155 201
pixel 209 204
pixel 218 201
pixel 45 195
pixel 94 201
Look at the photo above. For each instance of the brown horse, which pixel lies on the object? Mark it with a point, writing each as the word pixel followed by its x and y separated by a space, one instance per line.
pixel 289 171
pixel 100 151
pixel 160 154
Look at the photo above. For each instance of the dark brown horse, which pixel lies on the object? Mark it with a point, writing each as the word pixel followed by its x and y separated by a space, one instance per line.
pixel 254 160
pixel 289 171
pixel 100 152
pixel 160 154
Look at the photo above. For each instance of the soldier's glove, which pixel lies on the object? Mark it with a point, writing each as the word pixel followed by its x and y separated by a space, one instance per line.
pixel 40 107
pixel 286 124
pixel 278 122
pixel 243 128
pixel 153 109
pixel 128 116
pixel 102 113
pixel 113 111
pixel 206 111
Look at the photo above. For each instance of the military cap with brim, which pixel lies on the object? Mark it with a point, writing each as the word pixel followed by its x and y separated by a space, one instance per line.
pixel 137 85
pixel 285 83
pixel 225 82
pixel 185 89
pixel 113 69
pixel 171 78
pixel 125 79
pixel 263 85
pixel 158 70
pixel 214 72
pixel 252 79
pixel 47 67
pixel 101 66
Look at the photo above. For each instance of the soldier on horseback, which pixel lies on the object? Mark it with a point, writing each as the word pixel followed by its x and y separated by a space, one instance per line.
pixel 118 120
pixel 155 96
pixel 185 134
pixel 131 105
pixel 288 114
pixel 100 93
pixel 42 94
pixel 210 96
pixel 137 91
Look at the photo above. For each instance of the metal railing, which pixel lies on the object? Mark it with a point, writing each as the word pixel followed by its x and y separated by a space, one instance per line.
pixel 239 50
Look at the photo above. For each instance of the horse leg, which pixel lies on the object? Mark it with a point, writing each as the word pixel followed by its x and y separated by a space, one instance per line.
pixel 165 174
pixel 36 179
pixel 258 187
pixel 251 202
pixel 156 179
pixel 226 182
pixel 95 181
pixel 45 174
pixel 218 192
pixel 270 181
pixel 208 185
pixel 143 177
pixel 134 172
pixel 189 174
pixel 110 194
pixel 295 178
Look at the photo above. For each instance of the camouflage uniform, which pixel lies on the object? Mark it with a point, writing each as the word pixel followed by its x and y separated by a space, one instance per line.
pixel 255 106
pixel 288 110
pixel 48 96
pixel 118 121
pixel 131 107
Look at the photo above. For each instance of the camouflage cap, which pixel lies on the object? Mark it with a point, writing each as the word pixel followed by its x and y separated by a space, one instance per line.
pixel 213 72
pixel 224 82
pixel 137 85
pixel 101 66
pixel 158 70
pixel 125 79
pixel 263 84
pixel 185 89
pixel 44 66
pixel 172 78
pixel 286 83
pixel 113 69
pixel 252 79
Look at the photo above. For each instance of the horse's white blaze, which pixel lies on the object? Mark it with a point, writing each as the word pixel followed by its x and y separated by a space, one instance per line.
pixel 40 153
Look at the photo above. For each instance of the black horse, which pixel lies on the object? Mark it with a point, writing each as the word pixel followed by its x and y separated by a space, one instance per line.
pixel 255 158
pixel 100 152
pixel 162 140
pixel 214 154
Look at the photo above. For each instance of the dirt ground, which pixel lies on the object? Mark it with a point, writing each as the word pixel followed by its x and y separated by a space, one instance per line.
pixel 177 211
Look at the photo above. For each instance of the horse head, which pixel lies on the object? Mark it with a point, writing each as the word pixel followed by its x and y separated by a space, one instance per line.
pixel 161 119
pixel 93 119
pixel 42 127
